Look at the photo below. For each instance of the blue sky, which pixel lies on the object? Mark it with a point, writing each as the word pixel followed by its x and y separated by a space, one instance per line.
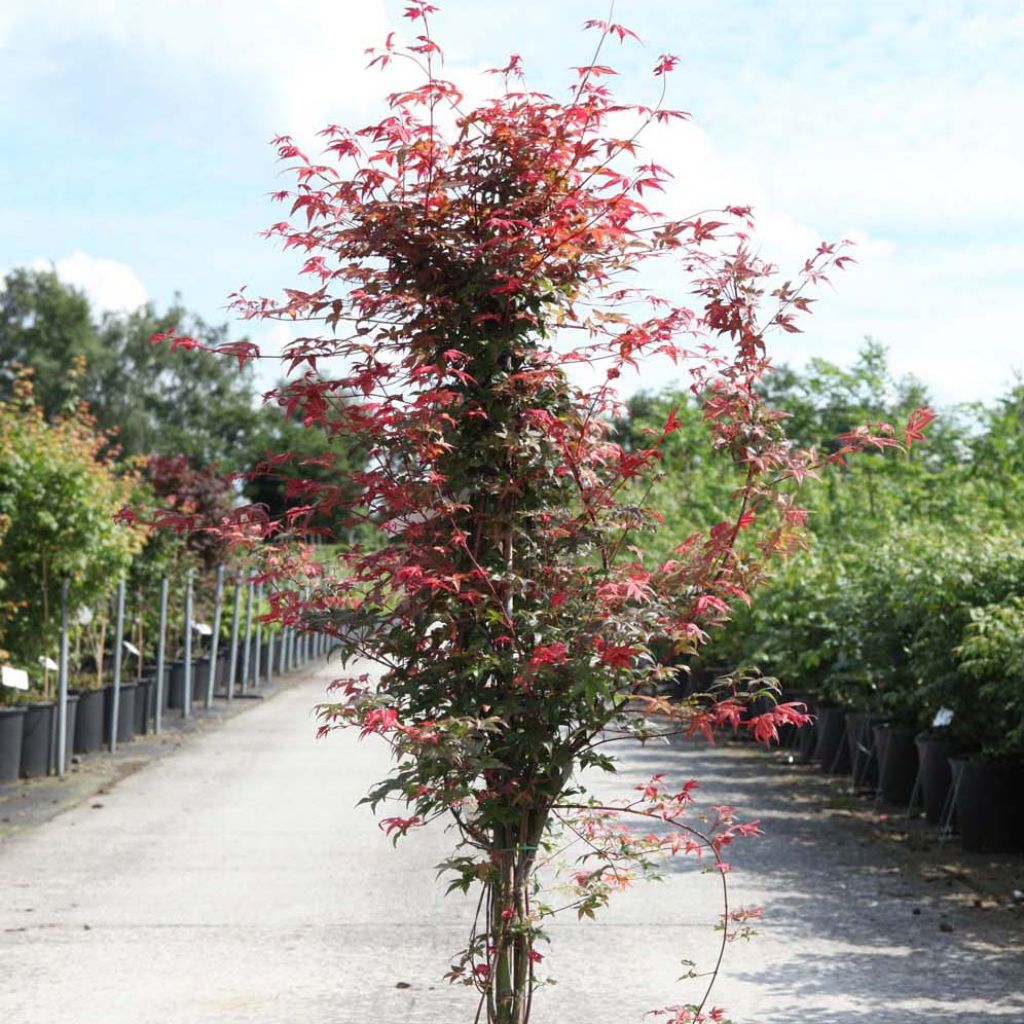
pixel 134 144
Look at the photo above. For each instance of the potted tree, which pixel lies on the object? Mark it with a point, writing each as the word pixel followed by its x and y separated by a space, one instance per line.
pixel 991 655
pixel 508 599
pixel 59 492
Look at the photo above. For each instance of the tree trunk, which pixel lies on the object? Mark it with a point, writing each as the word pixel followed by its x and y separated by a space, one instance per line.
pixel 509 930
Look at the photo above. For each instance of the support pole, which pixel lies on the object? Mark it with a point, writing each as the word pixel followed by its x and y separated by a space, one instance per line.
pixel 62 681
pixel 186 698
pixel 218 602
pixel 256 654
pixel 246 650
pixel 270 656
pixel 161 655
pixel 115 693
pixel 236 615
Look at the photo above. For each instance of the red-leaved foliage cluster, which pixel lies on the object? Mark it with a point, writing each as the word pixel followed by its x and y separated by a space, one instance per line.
pixel 474 295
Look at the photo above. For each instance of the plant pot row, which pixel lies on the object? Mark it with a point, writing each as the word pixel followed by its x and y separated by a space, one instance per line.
pixel 28 738
pixel 28 732
pixel 977 794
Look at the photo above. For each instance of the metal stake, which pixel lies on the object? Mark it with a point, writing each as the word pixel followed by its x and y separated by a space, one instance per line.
pixel 115 702
pixel 270 656
pixel 236 615
pixel 186 700
pixel 218 601
pixel 62 680
pixel 248 635
pixel 259 638
pixel 161 655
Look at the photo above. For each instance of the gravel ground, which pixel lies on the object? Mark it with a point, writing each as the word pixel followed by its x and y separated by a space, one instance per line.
pixel 235 882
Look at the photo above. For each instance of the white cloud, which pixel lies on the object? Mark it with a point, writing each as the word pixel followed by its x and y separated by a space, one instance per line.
pixel 109 285
pixel 904 120
pixel 298 62
pixel 890 124
pixel 949 313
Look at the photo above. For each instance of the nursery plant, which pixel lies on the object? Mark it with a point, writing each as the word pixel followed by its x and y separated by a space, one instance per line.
pixel 473 295
pixel 59 492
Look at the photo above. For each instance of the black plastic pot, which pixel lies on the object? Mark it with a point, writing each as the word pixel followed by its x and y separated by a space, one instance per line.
pixel 789 734
pixel 279 660
pixel 142 698
pixel 174 691
pixel 220 678
pixel 860 742
pixel 679 687
pixel 149 676
pixel 806 742
pixel 12 729
pixel 987 802
pixel 38 740
pixel 831 749
pixel 897 763
pixel 88 729
pixel 125 712
pixel 200 678
pixel 933 754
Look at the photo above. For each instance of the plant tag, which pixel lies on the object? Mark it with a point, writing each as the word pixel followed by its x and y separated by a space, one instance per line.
pixel 83 616
pixel 48 663
pixel 131 648
pixel 14 678
pixel 943 717
pixel 202 629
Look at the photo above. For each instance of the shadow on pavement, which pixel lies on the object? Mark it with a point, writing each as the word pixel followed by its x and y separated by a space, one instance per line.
pixel 854 930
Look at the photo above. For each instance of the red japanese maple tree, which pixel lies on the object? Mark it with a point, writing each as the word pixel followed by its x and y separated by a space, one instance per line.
pixel 463 265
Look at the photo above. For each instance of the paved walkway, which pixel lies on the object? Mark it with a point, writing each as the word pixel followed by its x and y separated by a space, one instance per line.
pixel 233 882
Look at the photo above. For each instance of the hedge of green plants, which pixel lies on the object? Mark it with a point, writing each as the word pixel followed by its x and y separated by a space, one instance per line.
pixel 910 597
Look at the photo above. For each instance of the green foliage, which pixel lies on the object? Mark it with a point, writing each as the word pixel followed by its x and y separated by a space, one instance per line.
pixel 58 498
pixel 167 401
pixel 45 326
pixel 694 489
pixel 909 597
pixel 992 654
pixel 315 457
pixel 157 399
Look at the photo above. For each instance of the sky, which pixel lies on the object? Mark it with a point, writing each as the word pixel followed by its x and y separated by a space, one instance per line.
pixel 135 156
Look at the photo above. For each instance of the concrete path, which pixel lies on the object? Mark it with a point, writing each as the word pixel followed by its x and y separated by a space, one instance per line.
pixel 234 882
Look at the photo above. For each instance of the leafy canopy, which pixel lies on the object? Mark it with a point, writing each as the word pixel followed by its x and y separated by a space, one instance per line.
pixel 59 494
pixel 460 263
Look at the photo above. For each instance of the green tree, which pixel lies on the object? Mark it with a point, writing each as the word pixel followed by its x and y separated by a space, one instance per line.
pixel 46 325
pixel 693 490
pixel 59 495
pixel 159 400
pixel 997 455
pixel 167 401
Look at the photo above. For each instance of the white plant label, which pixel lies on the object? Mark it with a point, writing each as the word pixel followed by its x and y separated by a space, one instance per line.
pixel 14 678
pixel 49 664
pixel 131 648
pixel 202 628
pixel 943 717
pixel 83 616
